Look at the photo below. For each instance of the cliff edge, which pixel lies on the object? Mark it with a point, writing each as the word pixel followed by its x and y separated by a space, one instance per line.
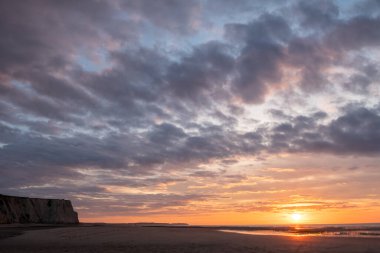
pixel 35 210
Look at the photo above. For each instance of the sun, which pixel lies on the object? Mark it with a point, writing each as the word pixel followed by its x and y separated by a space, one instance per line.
pixel 296 217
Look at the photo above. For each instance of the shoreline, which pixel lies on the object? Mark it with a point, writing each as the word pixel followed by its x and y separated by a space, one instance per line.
pixel 134 239
pixel 339 230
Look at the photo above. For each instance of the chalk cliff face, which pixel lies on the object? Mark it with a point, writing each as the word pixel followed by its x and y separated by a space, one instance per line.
pixel 34 210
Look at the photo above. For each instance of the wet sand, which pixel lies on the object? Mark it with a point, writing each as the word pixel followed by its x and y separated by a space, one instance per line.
pixel 121 238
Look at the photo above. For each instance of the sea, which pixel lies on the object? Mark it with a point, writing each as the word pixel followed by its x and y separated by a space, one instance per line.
pixel 326 230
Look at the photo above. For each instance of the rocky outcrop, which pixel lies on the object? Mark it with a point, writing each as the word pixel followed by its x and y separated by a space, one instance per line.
pixel 35 210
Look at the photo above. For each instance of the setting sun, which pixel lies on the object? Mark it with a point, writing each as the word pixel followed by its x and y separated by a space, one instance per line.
pixel 296 217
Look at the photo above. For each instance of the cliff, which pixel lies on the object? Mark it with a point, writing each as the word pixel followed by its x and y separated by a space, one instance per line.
pixel 35 210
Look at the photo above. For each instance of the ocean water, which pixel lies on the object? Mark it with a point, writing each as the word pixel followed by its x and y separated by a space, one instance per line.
pixel 326 230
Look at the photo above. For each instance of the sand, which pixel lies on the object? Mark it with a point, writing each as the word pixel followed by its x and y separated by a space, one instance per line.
pixel 121 238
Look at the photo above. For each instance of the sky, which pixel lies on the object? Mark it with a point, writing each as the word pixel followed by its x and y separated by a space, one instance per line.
pixel 205 112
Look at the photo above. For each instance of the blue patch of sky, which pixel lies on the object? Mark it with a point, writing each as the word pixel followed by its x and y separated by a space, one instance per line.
pixel 171 43
pixel 345 5
pixel 95 63
pixel 21 85
pixel 348 8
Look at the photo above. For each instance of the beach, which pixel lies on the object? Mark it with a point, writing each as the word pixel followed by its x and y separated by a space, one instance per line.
pixel 124 238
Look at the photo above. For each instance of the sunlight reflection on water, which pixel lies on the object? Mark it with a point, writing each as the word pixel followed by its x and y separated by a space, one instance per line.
pixel 359 233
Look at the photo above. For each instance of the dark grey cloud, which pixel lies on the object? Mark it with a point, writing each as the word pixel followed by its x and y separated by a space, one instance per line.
pixel 359 83
pixel 59 157
pixel 138 204
pixel 357 131
pixel 141 77
pixel 258 62
pixel 355 33
pixel 39 52
pixel 354 132
pixel 40 106
pixel 205 70
pixel 137 77
pixel 166 133
pixel 271 41
pixel 39 39
pixel 318 14
pixel 35 160
pixel 311 57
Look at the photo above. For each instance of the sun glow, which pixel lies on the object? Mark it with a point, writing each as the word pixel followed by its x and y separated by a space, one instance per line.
pixel 296 217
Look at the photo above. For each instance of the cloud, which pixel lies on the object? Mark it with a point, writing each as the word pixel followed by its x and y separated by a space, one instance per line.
pixel 284 206
pixel 317 14
pixel 145 94
pixel 39 41
pixel 166 133
pixel 353 132
pixel 354 34
pixel 258 62
pixel 177 17
pixel 204 71
pixel 270 43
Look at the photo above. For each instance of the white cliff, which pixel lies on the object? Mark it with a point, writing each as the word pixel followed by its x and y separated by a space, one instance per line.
pixel 36 210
